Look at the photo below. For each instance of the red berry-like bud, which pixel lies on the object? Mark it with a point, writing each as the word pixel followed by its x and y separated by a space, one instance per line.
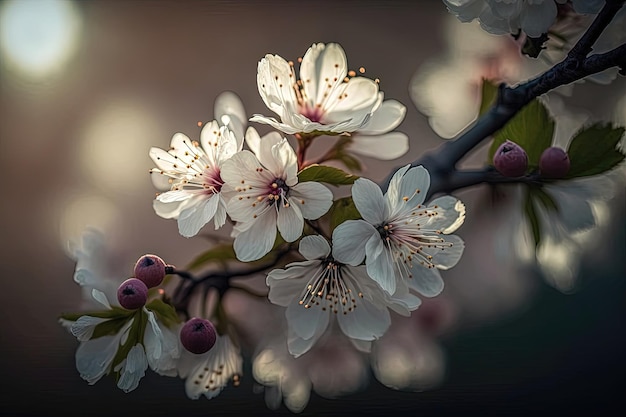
pixel 510 159
pixel 198 335
pixel 150 269
pixel 554 163
pixel 132 294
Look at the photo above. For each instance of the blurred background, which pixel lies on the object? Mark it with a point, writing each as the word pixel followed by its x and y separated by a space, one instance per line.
pixel 87 87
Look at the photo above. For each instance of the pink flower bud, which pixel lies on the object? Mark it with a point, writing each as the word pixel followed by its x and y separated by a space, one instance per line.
pixel 510 159
pixel 150 269
pixel 132 294
pixel 198 335
pixel 554 163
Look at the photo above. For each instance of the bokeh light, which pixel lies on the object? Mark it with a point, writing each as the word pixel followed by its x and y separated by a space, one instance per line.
pixel 37 37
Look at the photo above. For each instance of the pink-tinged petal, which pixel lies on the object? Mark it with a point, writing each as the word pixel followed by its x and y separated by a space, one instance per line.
pixel 380 265
pixel 385 147
pixel 349 239
pixel 369 201
pixel 314 247
pixel 450 214
pixel 386 118
pixel 256 241
pixel 193 218
pixel 306 322
pixel 426 281
pixel 229 112
pixel 323 68
pixel 359 98
pixel 313 199
pixel 290 222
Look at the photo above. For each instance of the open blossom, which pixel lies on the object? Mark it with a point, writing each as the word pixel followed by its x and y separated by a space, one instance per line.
pixel 402 240
pixel 267 195
pixel 324 288
pixel 324 100
pixel 194 169
pixel 209 373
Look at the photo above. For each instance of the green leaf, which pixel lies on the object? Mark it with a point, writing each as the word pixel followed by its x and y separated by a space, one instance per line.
pixel 164 312
pixel 113 313
pixel 489 96
pixel 135 335
pixel 327 174
pixel 594 150
pixel 531 128
pixel 219 253
pixel 109 327
pixel 342 209
pixel 349 161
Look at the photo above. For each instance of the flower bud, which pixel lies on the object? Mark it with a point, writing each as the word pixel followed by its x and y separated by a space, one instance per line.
pixel 510 159
pixel 132 294
pixel 554 163
pixel 198 335
pixel 150 269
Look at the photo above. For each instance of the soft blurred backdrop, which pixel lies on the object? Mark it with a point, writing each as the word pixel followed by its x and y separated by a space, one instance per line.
pixel 87 87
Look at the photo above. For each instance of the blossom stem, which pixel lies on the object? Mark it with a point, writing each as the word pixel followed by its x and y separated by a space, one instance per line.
pixel 441 162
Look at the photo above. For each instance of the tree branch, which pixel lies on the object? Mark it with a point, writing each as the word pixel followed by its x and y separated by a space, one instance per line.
pixel 441 161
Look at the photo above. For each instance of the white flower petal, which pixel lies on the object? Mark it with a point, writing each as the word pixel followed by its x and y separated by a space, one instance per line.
pixel 369 201
pixel 360 99
pixel 133 369
pixel 387 117
pixel 450 214
pixel 314 247
pixel 536 18
pixel 192 219
pixel 287 284
pixel 306 322
pixel 100 297
pixel 385 147
pixel 379 264
pixel 290 222
pixel 229 112
pixel 412 191
pixel 313 199
pixel 426 281
pixel 84 327
pixel 283 163
pixel 323 69
pixel 445 259
pixel 94 357
pixel 367 322
pixel 258 239
pixel 349 239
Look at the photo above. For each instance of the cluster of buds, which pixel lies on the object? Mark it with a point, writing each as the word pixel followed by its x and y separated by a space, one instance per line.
pixel 511 160
pixel 149 272
pixel 197 335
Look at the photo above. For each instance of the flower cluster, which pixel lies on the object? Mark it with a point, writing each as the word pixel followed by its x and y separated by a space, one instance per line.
pixel 369 256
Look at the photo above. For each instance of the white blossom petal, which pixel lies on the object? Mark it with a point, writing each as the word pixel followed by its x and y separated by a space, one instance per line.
pixel 386 118
pixel 426 281
pixel 369 201
pixel 349 239
pixel 313 199
pixel 385 147
pixel 258 239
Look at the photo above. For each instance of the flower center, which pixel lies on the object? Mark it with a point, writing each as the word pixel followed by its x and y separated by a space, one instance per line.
pixel 328 289
pixel 278 190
